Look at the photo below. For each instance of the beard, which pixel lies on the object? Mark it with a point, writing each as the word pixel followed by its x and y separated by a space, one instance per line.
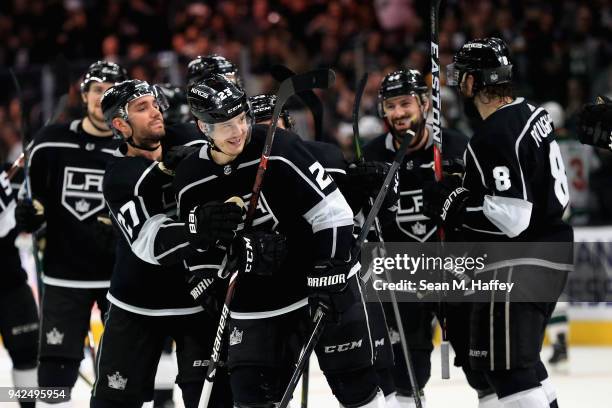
pixel 97 120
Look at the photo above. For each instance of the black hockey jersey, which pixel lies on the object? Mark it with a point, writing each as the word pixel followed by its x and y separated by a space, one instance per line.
pixel 409 223
pixel 66 171
pixel 12 274
pixel 149 276
pixel 298 199
pixel 516 177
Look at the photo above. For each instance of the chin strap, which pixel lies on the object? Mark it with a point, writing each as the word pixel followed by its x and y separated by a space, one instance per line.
pixel 98 128
pixel 130 141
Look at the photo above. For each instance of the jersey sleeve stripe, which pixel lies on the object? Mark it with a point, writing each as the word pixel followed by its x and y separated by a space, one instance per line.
pixel 299 172
pixel 483 231
pixel 50 144
pixel 482 178
pixel 332 211
pixel 144 245
pixel 335 170
pixel 142 177
pixel 191 185
pixel 510 215
pixel 517 144
pixel 171 250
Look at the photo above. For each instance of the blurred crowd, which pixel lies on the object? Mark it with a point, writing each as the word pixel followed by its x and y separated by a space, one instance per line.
pixel 561 50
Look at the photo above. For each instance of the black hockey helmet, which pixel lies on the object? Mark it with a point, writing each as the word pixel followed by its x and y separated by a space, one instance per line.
pixel 400 82
pixel 116 99
pixel 487 59
pixel 262 107
pixel 103 71
pixel 216 99
pixel 203 67
pixel 178 108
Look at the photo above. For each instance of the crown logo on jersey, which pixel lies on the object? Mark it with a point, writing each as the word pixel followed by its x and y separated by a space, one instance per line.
pixel 418 228
pixel 82 206
pixel 235 337
pixel 116 381
pixel 54 337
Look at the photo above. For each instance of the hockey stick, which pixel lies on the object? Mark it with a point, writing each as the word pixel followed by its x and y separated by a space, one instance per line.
pixel 313 339
pixel 358 94
pixel 308 97
pixel 437 148
pixel 416 392
pixel 26 182
pixel 317 79
pixel 305 380
pixel 319 316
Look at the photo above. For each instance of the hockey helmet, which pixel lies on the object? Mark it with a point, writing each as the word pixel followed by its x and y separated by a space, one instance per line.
pixel 103 71
pixel 262 107
pixel 178 108
pixel 116 99
pixel 203 67
pixel 398 83
pixel 487 59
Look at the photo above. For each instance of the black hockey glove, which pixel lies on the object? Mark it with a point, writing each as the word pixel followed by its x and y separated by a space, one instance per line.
pixel 207 291
pixel 364 181
pixel 445 201
pixel 595 124
pixel 176 154
pixel 211 222
pixel 328 287
pixel 257 253
pixel 29 216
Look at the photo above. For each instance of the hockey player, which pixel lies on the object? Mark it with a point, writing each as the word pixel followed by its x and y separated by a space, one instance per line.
pixel 203 67
pixel 514 189
pixel 67 163
pixel 595 123
pixel 356 183
pixel 299 200
pixel 403 103
pixel 18 310
pixel 149 295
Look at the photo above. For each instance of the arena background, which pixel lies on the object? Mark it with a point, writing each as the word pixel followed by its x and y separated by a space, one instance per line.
pixel 561 52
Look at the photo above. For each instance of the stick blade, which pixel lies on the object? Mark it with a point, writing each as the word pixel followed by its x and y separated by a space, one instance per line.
pixel 316 79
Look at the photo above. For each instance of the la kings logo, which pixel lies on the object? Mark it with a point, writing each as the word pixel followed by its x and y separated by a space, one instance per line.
pixel 82 191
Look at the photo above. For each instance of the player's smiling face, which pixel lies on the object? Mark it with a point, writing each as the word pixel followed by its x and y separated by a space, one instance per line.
pixel 230 136
pixel 146 120
pixel 92 99
pixel 400 109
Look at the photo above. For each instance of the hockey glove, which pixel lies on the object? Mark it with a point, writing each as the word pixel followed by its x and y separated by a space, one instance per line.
pixel 257 253
pixel 445 201
pixel 328 287
pixel 176 154
pixel 595 124
pixel 29 215
pixel 364 181
pixel 211 222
